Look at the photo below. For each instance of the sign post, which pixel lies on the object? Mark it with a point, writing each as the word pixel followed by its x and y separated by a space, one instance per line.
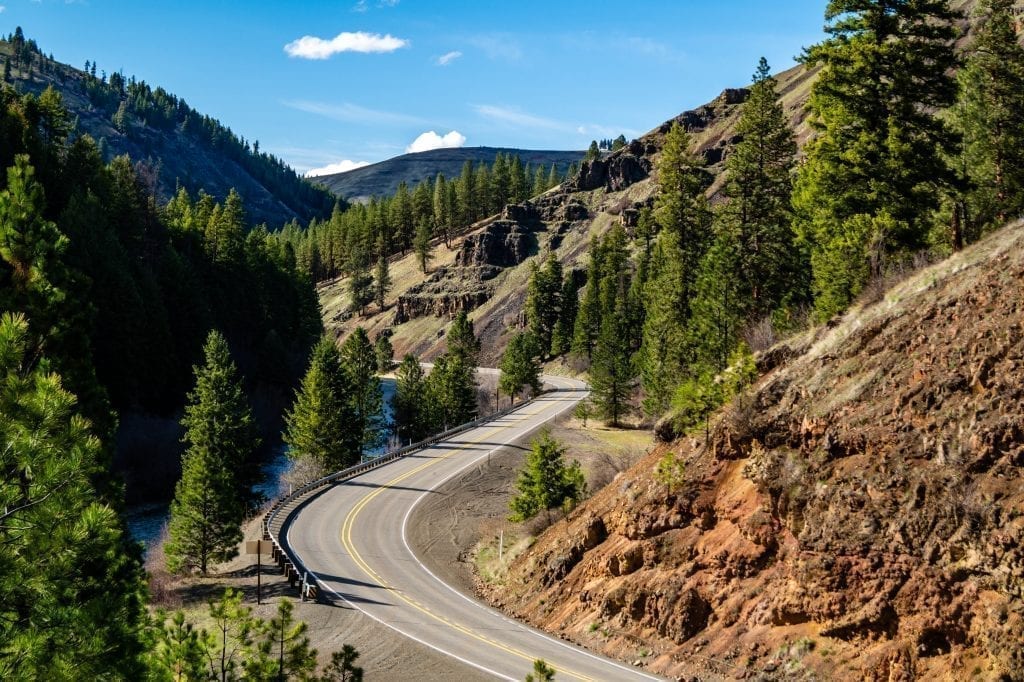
pixel 259 548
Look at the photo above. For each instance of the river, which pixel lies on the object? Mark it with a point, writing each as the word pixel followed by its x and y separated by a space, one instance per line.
pixel 146 521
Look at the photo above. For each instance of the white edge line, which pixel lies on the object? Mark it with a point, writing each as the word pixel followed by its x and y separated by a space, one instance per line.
pixel 523 627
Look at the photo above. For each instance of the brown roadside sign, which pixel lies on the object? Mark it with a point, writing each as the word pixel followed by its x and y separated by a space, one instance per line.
pixel 258 546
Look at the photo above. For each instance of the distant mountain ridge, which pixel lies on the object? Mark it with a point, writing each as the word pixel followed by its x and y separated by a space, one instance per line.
pixel 182 147
pixel 382 178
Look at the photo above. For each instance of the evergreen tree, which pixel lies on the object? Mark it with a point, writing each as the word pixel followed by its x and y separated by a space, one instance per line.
pixel 342 667
pixel 421 245
pixel 553 179
pixel 543 301
pixel 318 428
pixel 588 320
pixel 462 340
pixel 561 336
pixel 211 496
pixel 874 171
pixel 546 482
pixel 990 115
pixel 232 642
pixel 71 598
pixel 681 206
pixel 381 282
pixel 443 210
pixel 366 399
pixel 283 651
pixel 177 651
pixel 384 352
pixel 520 366
pixel 360 286
pixel 593 152
pixel 757 218
pixel 408 405
pixel 542 672
pixel 612 375
pixel 451 391
pixel 663 356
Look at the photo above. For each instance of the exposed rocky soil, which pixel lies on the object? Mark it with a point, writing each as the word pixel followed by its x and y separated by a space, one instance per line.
pixel 859 514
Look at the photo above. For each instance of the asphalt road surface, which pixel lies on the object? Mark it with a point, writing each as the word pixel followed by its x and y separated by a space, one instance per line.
pixel 353 537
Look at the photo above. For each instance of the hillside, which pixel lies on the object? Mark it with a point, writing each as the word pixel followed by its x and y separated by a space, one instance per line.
pixel 486 270
pixel 180 146
pixel 382 179
pixel 856 515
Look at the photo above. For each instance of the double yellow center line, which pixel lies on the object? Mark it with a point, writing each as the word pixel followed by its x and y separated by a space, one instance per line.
pixel 349 545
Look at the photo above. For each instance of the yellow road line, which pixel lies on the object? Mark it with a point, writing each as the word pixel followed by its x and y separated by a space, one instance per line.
pixel 346 541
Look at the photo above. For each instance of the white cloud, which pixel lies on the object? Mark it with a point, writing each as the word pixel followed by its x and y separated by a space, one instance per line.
pixel 448 57
pixel 343 166
pixel 311 47
pixel 353 113
pixel 431 140
pixel 2 9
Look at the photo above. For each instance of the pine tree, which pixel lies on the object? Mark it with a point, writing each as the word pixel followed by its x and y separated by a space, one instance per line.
pixel 232 640
pixel 421 245
pixel 990 115
pixel 318 428
pixel 462 340
pixel 71 598
pixel 612 375
pixel 542 301
pixel 381 281
pixel 681 206
pixel 384 352
pixel 408 405
pixel 520 366
pixel 542 672
pixel 663 356
pixel 451 391
pixel 561 336
pixel 177 651
pixel 283 651
pixel 757 218
pixel 588 320
pixel 210 498
pixel 875 170
pixel 443 216
pixel 546 482
pixel 342 667
pixel 366 399
pixel 593 152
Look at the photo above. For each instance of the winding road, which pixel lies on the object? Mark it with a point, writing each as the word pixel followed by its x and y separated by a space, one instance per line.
pixel 352 536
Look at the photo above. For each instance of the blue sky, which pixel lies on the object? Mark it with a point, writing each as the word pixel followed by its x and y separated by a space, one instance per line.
pixel 320 83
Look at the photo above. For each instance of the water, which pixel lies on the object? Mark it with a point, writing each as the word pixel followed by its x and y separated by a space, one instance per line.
pixel 146 521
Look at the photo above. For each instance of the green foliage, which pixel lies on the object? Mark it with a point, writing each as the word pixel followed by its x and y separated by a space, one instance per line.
pixel 544 302
pixel 670 471
pixel 990 116
pixel 211 496
pixel 381 282
pixel 231 642
pixel 384 351
pixel 876 168
pixel 462 340
pixel 546 482
pixel 542 672
pixel 681 206
pixel 561 335
pixel 451 391
pixel 520 366
pixel 71 598
pixel 409 407
pixel 282 651
pixel 177 651
pixel 421 244
pixel 342 667
pixel 319 426
pixel 587 326
pixel 366 399
pixel 662 358
pixel 593 152
pixel 584 409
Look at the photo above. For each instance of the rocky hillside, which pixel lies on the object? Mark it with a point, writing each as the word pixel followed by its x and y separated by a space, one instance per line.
pixel 180 146
pixel 486 270
pixel 858 514
pixel 382 179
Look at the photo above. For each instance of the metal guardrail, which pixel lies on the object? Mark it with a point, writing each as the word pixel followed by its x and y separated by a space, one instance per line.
pixel 290 564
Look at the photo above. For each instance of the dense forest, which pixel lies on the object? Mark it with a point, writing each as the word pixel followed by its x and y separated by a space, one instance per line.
pixel 125 114
pixel 353 241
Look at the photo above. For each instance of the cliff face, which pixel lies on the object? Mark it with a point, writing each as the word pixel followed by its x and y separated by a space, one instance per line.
pixel 858 514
